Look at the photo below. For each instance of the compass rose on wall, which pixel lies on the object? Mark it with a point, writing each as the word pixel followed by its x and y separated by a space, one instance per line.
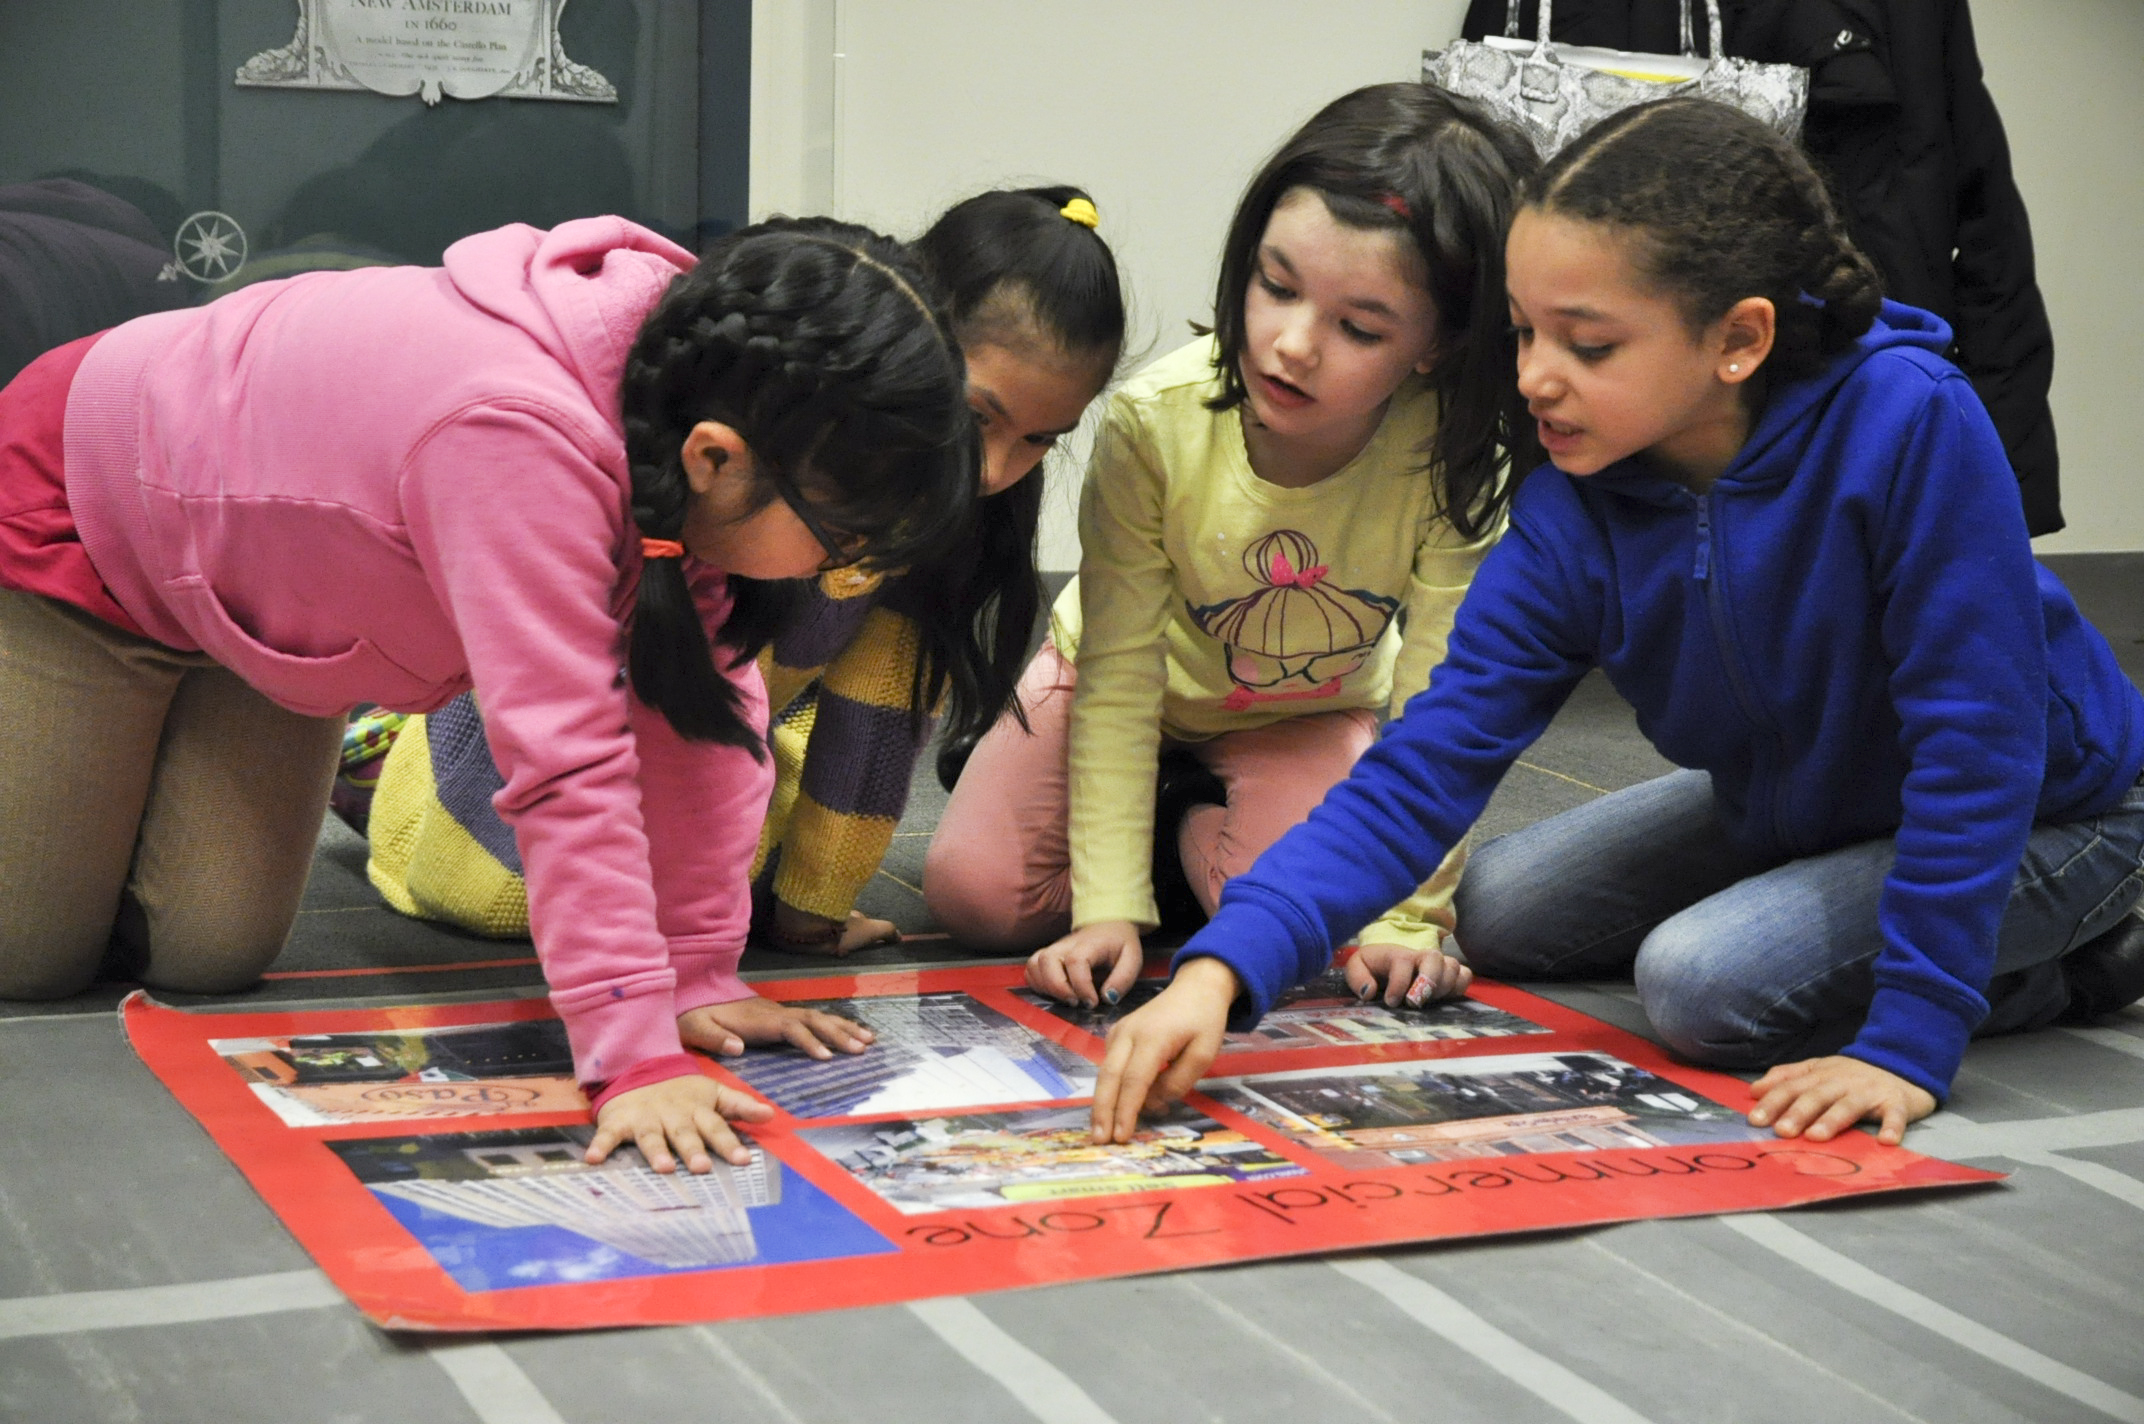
pixel 209 247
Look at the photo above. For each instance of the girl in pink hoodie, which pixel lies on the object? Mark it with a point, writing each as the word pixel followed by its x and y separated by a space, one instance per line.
pixel 527 471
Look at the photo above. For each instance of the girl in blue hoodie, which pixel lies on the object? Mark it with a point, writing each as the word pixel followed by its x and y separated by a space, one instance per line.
pixel 1783 526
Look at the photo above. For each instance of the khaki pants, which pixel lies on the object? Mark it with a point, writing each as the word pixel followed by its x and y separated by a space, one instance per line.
pixel 153 808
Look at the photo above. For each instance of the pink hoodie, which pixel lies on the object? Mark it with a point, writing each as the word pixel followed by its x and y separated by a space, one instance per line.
pixel 391 484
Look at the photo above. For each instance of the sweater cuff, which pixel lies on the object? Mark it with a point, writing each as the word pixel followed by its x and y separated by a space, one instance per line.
pixel 1256 944
pixel 828 857
pixel 617 1023
pixel 1916 1038
pixel 1095 909
pixel 1403 930
pixel 706 973
pixel 640 1075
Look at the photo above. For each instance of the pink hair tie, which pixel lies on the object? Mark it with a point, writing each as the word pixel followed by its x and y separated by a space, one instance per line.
pixel 1398 205
pixel 661 549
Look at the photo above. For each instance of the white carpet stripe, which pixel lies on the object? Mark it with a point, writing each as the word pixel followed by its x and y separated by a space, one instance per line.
pixel 1048 1393
pixel 1851 1276
pixel 2113 1038
pixel 1524 1366
pixel 2119 1185
pixel 758 1383
pixel 493 1385
pixel 1949 1136
pixel 186 1304
pixel 1803 1362
pixel 1274 1344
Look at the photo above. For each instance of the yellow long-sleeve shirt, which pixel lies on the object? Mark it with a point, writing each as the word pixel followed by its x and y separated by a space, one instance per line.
pixel 1210 601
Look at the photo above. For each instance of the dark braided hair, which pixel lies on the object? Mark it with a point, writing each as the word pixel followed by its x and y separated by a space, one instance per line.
pixel 813 340
pixel 1721 208
pixel 1456 170
pixel 1014 272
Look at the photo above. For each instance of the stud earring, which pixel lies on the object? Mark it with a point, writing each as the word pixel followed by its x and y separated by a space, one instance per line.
pixel 1734 368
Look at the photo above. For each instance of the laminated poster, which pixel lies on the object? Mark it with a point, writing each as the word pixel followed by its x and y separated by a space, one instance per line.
pixel 430 1158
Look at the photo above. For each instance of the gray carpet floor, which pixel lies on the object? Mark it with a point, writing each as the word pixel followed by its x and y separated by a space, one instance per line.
pixel 141 1279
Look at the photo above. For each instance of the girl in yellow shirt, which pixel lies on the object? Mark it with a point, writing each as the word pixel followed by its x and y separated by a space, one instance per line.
pixel 1277 525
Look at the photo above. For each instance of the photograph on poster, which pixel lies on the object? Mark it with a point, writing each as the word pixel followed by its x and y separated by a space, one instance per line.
pixel 475 1070
pixel 1398 1114
pixel 522 1207
pixel 1323 1013
pixel 934 1052
pixel 995 1159
pixel 428 1224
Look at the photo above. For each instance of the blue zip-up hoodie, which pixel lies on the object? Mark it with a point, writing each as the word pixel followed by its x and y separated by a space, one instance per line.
pixel 1848 631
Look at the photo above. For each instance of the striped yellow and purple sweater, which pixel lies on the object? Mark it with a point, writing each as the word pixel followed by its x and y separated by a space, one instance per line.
pixel 842 676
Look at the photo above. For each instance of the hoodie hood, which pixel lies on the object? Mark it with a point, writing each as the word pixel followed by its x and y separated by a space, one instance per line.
pixel 580 290
pixel 1896 328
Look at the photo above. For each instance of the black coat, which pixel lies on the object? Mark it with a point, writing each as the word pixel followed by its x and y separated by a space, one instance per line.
pixel 1900 119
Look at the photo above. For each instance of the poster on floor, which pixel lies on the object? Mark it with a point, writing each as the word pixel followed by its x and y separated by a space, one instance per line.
pixel 432 1158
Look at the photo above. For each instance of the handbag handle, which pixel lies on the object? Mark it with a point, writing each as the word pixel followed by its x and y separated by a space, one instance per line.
pixel 1689 40
pixel 1713 47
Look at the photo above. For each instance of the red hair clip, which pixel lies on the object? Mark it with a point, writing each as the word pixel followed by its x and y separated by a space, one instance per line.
pixel 661 549
pixel 1398 205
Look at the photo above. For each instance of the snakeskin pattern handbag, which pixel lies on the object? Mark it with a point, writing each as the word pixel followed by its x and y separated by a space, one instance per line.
pixel 1553 93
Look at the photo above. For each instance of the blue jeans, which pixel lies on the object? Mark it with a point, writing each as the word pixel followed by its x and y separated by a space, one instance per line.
pixel 1741 960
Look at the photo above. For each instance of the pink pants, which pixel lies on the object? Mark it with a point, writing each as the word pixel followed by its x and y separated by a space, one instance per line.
pixel 999 872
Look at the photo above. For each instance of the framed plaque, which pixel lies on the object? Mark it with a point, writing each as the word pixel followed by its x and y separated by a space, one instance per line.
pixel 466 49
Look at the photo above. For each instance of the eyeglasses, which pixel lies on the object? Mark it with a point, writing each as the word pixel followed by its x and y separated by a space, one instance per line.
pixel 842 550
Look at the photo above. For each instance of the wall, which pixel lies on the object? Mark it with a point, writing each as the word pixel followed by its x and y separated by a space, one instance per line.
pixel 1161 110
pixel 2069 80
pixel 57 64
pixel 143 89
pixel 884 112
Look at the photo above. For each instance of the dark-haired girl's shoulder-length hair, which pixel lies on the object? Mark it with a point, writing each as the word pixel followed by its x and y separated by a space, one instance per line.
pixel 1011 270
pixel 1412 158
pixel 1720 207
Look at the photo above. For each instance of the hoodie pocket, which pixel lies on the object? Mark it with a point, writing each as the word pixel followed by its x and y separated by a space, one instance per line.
pixel 313 686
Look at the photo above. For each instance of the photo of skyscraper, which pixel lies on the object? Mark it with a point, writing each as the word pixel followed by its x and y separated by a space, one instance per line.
pixel 539 1177
pixel 933 1052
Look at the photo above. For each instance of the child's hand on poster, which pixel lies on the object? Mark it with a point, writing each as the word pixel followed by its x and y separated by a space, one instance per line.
pixel 1158 1051
pixel 1066 970
pixel 689 1115
pixel 730 1028
pixel 1413 977
pixel 1819 1098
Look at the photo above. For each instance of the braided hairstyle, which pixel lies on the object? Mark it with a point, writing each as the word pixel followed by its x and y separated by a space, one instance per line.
pixel 812 339
pixel 1012 271
pixel 1456 171
pixel 1718 208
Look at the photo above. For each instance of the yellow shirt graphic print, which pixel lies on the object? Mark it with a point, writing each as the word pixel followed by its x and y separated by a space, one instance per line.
pixel 1296 637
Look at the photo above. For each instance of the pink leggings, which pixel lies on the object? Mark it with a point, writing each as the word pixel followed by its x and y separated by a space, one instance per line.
pixel 999 872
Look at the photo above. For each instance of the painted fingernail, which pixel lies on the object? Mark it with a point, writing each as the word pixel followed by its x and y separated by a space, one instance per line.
pixel 1111 995
pixel 1366 991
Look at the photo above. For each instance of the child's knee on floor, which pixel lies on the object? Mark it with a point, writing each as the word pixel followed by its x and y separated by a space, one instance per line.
pixel 1707 1004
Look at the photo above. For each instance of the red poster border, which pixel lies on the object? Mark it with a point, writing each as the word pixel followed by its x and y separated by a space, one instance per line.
pixel 392 1278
